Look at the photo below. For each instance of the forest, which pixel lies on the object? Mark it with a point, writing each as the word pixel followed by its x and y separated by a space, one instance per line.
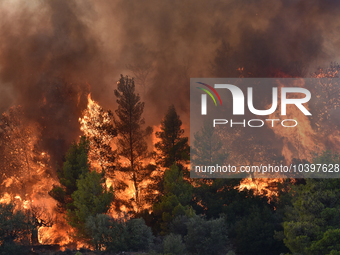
pixel 166 211
pixel 97 136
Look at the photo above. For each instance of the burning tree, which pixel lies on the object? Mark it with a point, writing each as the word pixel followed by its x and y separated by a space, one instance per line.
pixel 132 151
pixel 20 159
pixel 325 112
pixel 97 125
pixel 172 148
pixel 24 168
pixel 331 72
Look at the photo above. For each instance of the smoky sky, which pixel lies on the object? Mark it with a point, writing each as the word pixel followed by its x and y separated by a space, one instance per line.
pixel 54 52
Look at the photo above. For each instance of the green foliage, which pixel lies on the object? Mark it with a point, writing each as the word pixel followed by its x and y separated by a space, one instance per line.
pixel 257 230
pixel 82 193
pixel 330 241
pixel 218 196
pixel 173 245
pixel 106 233
pixel 91 198
pixel 326 157
pixel 139 235
pixel 15 227
pixel 75 165
pixel 312 223
pixel 206 236
pixel 117 236
pixel 172 147
pixel 251 220
pixel 314 217
pixel 132 146
pixel 178 225
pixel 176 199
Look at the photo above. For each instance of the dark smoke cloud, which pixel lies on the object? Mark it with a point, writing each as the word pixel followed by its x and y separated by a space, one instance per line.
pixel 215 39
pixel 48 64
pixel 57 51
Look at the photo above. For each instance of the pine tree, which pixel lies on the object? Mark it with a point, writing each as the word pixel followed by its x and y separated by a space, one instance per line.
pixel 177 196
pixel 75 165
pixel 91 198
pixel 97 124
pixel 132 147
pixel 172 147
pixel 82 193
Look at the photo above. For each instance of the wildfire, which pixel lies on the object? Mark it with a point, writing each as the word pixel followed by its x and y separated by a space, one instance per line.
pixel 30 186
pixel 311 134
pixel 96 124
pixel 260 186
pixel 27 176
pixel 156 128
pixel 299 141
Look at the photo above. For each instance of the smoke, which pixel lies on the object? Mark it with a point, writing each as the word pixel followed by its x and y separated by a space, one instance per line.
pixel 222 39
pixel 53 53
pixel 47 60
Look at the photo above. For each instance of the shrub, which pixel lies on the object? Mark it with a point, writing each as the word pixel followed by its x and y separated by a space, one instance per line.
pixel 139 235
pixel 15 227
pixel 114 235
pixel 173 245
pixel 107 233
pixel 206 236
pixel 178 225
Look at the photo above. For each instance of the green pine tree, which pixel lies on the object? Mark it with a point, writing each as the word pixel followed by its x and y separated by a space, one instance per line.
pixel 75 165
pixel 177 197
pixel 91 198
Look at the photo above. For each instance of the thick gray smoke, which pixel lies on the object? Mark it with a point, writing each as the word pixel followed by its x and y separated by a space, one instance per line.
pixel 53 53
